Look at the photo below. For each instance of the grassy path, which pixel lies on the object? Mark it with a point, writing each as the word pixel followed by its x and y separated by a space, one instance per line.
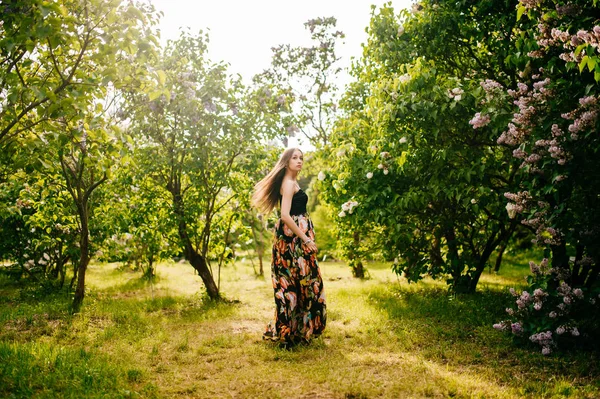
pixel 384 338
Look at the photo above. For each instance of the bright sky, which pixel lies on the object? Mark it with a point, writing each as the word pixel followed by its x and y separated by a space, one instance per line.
pixel 242 32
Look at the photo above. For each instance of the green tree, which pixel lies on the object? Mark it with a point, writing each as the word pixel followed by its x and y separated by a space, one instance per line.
pixel 135 226
pixel 301 81
pixel 552 129
pixel 197 132
pixel 54 79
pixel 408 155
pixel 55 55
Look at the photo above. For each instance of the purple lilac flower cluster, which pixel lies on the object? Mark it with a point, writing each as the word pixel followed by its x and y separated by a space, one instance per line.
pixel 528 100
pixel 548 36
pixel 567 9
pixel 543 307
pixel 545 340
pixel 531 3
pixel 529 103
pixel 571 42
pixel 520 201
pixel 490 85
pixel 583 117
pixel 479 120
pixel 493 90
pixel 539 270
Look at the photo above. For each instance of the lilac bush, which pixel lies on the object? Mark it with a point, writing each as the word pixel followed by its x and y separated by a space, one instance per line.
pixel 548 118
pixel 550 312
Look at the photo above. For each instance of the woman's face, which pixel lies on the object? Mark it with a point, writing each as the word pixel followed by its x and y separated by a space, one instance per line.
pixel 295 162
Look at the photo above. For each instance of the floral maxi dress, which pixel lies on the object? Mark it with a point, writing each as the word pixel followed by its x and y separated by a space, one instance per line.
pixel 300 310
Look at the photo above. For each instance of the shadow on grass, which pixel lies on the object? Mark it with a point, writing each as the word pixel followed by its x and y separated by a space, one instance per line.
pixel 457 330
pixel 31 310
pixel 134 281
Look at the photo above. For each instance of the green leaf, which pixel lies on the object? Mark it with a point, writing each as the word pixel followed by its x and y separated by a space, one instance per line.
pixel 154 95
pixel 579 48
pixel 583 63
pixel 45 11
pixel 402 159
pixel 46 164
pixel 591 63
pixel 520 11
pixel 162 77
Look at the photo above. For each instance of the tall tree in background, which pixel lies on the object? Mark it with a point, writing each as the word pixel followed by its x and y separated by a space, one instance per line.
pixel 302 81
pixel 197 131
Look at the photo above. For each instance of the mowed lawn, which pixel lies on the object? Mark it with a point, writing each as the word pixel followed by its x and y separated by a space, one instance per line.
pixel 384 338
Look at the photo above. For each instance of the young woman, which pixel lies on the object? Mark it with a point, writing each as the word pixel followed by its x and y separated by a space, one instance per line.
pixel 300 311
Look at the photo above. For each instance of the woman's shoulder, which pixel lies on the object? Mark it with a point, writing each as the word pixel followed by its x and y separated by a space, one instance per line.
pixel 290 186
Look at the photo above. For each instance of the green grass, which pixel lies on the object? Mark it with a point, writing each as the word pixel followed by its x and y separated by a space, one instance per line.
pixel 45 370
pixel 384 338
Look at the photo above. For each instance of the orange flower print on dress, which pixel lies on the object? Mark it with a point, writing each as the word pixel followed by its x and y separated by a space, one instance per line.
pixel 287 231
pixel 283 282
pixel 291 297
pixel 300 307
pixel 303 224
pixel 303 266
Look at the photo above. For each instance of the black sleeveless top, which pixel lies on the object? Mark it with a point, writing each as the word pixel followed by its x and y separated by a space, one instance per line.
pixel 299 201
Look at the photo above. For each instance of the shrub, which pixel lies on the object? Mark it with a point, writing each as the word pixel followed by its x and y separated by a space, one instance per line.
pixel 551 313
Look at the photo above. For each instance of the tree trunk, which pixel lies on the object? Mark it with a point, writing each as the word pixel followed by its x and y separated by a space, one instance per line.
pixel 589 272
pixel 358 269
pixel 53 272
pixel 577 275
pixel 492 243
pixel 456 265
pixel 29 273
pixel 593 275
pixel 62 271
pixel 435 254
pixel 197 260
pixel 485 256
pixel 261 271
pixel 150 270
pixel 560 260
pixel 75 269
pixel 259 249
pixel 499 258
pixel 84 242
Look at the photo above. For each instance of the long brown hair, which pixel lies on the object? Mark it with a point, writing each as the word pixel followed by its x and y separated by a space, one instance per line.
pixel 266 191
